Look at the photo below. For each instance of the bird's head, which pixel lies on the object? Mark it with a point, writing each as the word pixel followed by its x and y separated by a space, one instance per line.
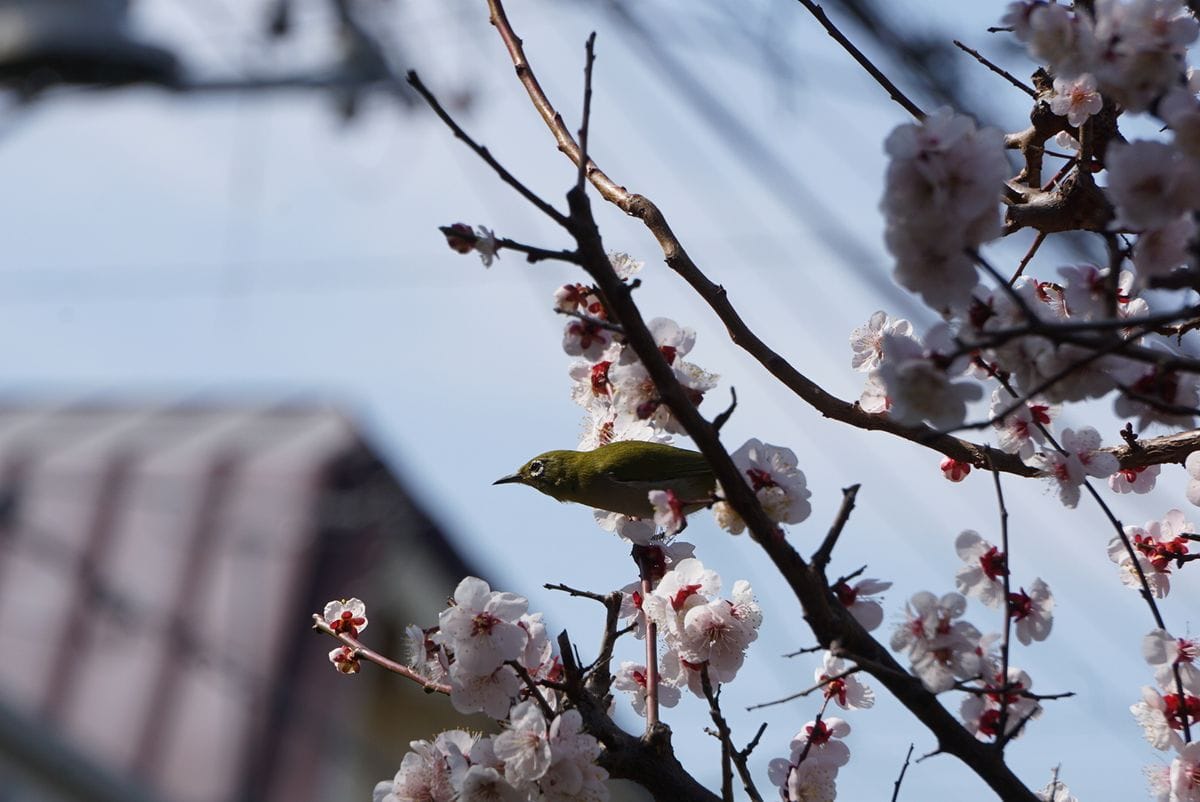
pixel 554 473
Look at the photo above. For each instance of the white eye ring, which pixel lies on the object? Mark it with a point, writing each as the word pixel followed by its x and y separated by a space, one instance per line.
pixel 536 467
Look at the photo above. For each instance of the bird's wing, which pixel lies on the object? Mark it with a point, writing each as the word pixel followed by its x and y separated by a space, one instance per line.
pixel 674 462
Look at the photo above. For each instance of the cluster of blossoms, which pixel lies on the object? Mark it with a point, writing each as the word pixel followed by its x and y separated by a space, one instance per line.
pixel 701 631
pixel 542 755
pixel 1156 546
pixel 1169 713
pixel 610 382
pixel 809 772
pixel 941 199
pixel 947 652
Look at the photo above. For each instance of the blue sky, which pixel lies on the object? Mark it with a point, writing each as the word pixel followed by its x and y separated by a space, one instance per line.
pixel 257 246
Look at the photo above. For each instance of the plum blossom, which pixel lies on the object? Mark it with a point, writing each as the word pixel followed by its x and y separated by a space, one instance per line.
pixel 345 660
pixel 1140 479
pixel 919 386
pixel 481 627
pixel 986 565
pixel 573 775
pixel 631 677
pixel 668 511
pixel 430 771
pixel 686 585
pixel 847 692
pixel 1140 48
pixel 1158 395
pixel 1076 99
pixel 1151 184
pixel 492 693
pixel 1032 613
pixel 779 485
pixel 424 654
pixel 1192 465
pixel 1185 774
pixel 1082 459
pixel 525 746
pixel 1166 654
pixel 1021 430
pixel 941 197
pixel 1162 249
pixel 346 617
pixel 713 634
pixel 486 784
pixel 462 239
pixel 635 530
pixel 874 395
pixel 939 647
pixel 982 713
pixel 858 602
pixel 806 782
pixel 953 469
pixel 1161 717
pixel 866 341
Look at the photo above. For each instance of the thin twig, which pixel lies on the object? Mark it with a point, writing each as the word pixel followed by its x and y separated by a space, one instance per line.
pixel 904 768
pixel 893 91
pixel 375 657
pixel 808 691
pixel 729 755
pixel 590 48
pixel 583 594
pixel 483 153
pixel 822 555
pixel 592 321
pixel 533 688
pixel 1003 73
pixel 1033 249
pixel 723 418
pixel 1008 611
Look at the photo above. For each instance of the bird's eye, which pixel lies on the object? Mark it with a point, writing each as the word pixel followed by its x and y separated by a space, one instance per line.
pixel 536 467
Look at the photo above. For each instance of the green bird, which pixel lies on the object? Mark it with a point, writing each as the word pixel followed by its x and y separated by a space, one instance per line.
pixel 618 477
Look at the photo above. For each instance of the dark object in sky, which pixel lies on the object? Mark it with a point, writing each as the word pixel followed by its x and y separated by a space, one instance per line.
pixel 45 43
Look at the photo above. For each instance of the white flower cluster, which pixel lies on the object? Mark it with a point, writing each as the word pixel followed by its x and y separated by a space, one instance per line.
pixel 1156 546
pixel 1165 715
pixel 700 630
pixel 531 761
pixel 809 773
pixel 478 642
pixel 611 383
pixel 779 485
pixel 1134 49
pixel 941 197
pixel 947 652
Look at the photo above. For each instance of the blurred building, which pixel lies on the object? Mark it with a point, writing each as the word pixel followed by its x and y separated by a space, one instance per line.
pixel 158 569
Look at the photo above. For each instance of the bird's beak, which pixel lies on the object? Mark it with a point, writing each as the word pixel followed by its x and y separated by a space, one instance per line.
pixel 504 480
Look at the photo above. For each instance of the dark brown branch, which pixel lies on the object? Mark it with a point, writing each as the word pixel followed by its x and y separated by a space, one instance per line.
pixel 821 556
pixel 649 761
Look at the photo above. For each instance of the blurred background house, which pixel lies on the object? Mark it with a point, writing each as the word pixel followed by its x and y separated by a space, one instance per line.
pixel 158 565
